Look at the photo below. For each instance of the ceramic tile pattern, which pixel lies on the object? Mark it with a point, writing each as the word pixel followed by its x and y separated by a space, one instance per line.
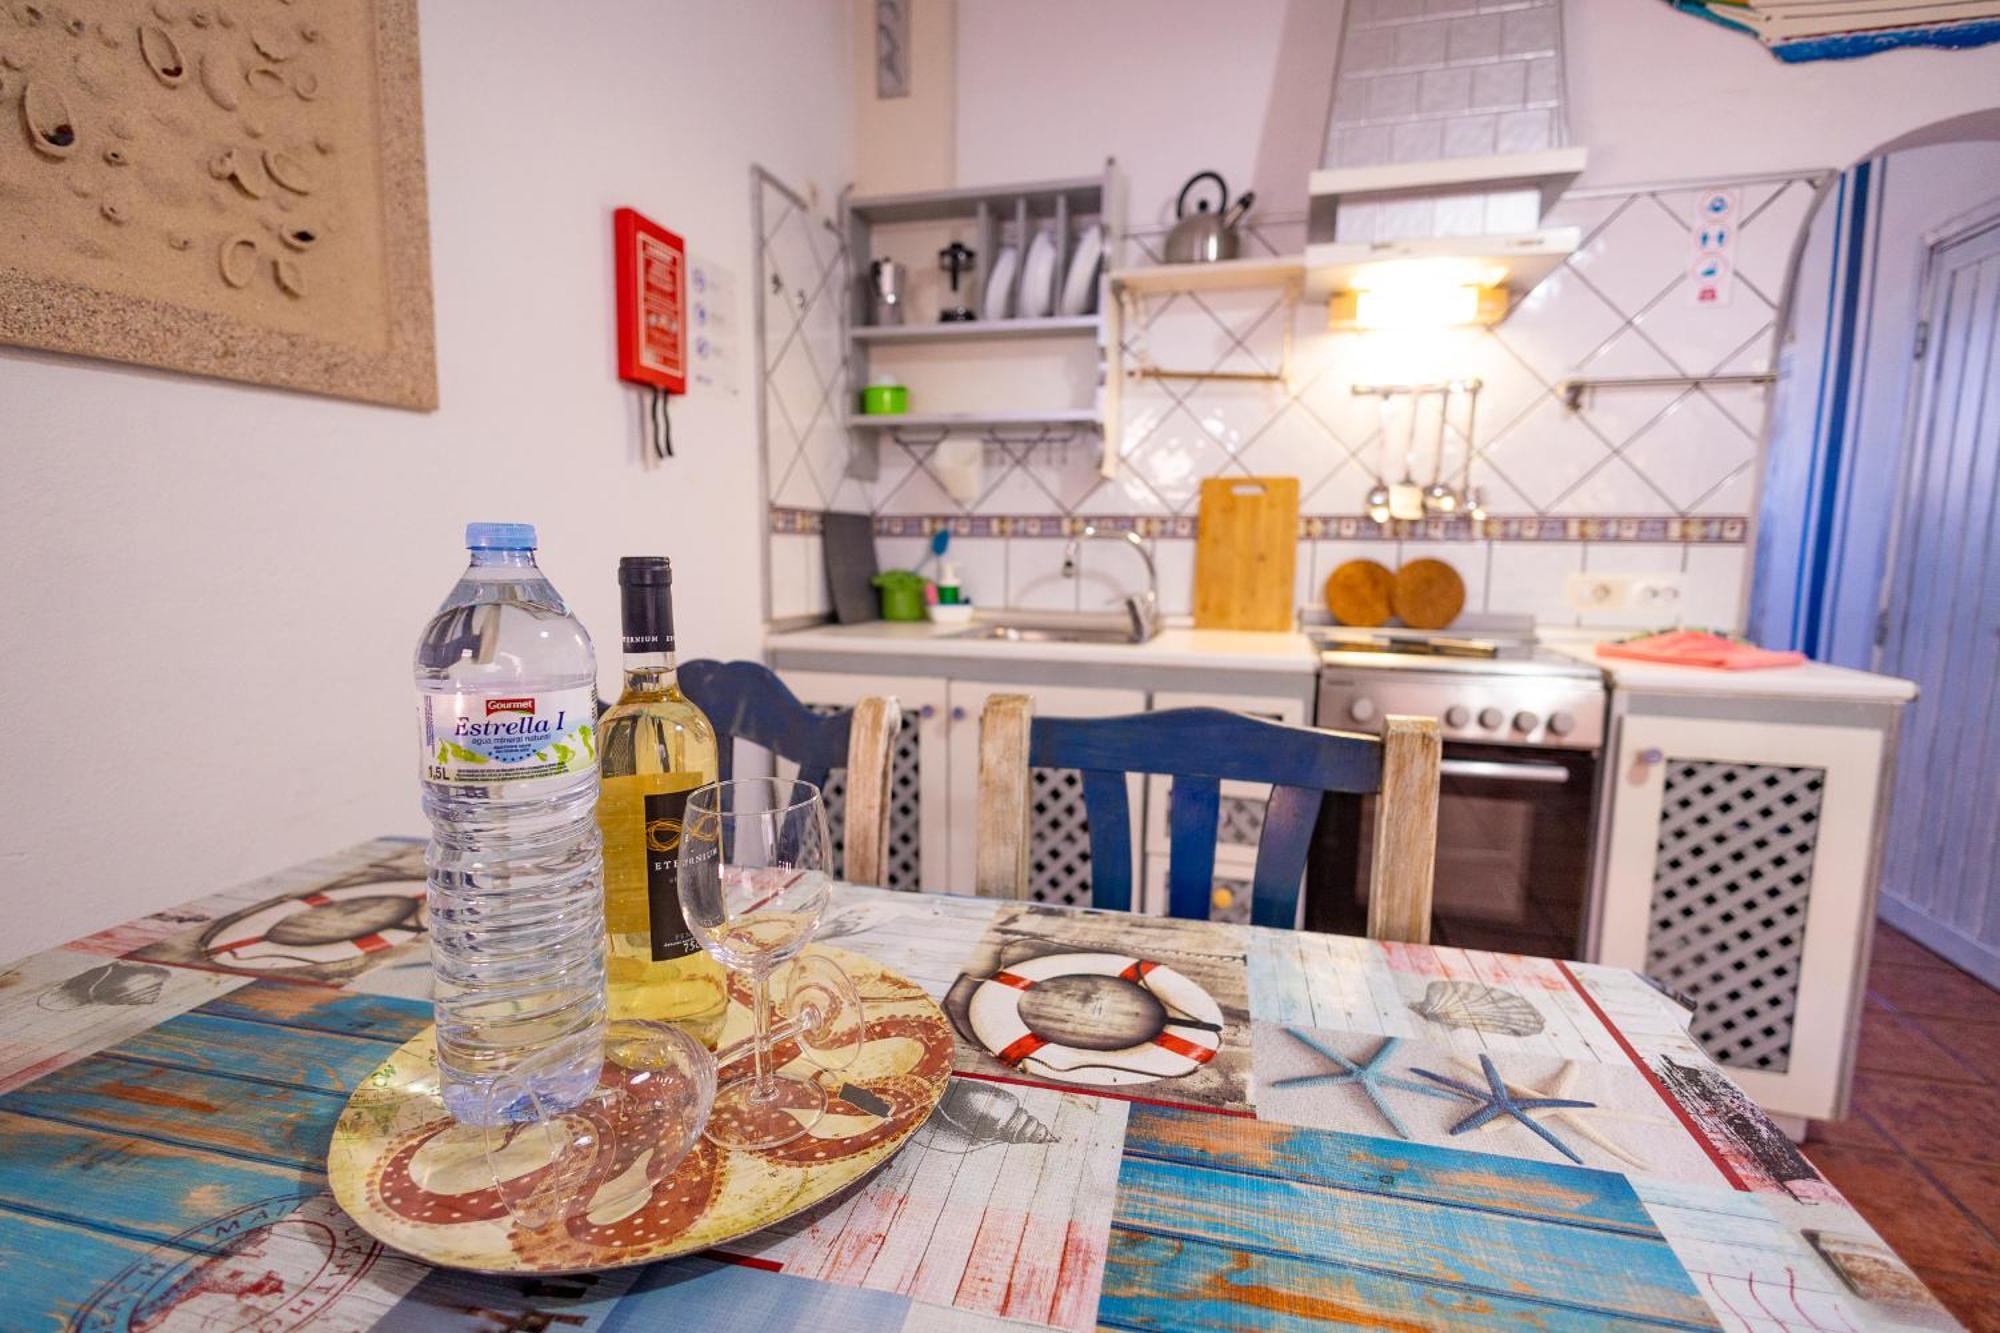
pixel 1920 1152
pixel 1670 469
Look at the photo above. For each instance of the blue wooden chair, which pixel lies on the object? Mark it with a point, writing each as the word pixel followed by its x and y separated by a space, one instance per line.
pixel 746 700
pixel 1201 748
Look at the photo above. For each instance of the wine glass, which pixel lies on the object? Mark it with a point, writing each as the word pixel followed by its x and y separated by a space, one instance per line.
pixel 756 871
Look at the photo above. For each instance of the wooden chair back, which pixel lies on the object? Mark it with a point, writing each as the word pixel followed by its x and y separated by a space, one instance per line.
pixel 746 700
pixel 1200 749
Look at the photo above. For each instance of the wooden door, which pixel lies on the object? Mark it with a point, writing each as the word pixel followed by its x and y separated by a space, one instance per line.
pixel 919 781
pixel 1736 873
pixel 1941 621
pixel 1058 842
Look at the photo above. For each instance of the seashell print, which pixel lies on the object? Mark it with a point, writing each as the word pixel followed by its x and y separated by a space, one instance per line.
pixel 975 1115
pixel 274 43
pixel 266 81
pixel 238 260
pixel 119 983
pixel 162 56
pixel 220 73
pixel 1483 1008
pixel 288 171
pixel 51 128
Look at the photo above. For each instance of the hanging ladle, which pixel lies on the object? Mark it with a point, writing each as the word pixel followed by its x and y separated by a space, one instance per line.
pixel 1438 497
pixel 1473 508
pixel 1378 494
pixel 1406 497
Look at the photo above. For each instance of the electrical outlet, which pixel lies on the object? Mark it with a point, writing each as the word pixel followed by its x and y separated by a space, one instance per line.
pixel 1598 592
pixel 1658 595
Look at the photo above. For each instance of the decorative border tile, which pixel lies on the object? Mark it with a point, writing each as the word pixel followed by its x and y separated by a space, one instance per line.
pixel 1725 530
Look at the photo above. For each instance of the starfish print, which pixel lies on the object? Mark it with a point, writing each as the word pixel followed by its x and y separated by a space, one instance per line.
pixel 1572 1118
pixel 1371 1077
pixel 1499 1100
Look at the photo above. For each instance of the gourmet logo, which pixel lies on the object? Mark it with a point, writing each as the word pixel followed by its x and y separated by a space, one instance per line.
pixel 510 706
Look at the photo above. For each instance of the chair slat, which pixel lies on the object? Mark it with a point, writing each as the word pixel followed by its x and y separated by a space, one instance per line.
pixel 1192 815
pixel 1405 852
pixel 1289 817
pixel 1110 839
pixel 1000 868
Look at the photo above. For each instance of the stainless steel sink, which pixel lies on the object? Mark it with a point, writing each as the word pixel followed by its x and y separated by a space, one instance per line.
pixel 1044 634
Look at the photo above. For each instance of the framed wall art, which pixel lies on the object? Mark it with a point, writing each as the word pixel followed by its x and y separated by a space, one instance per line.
pixel 224 187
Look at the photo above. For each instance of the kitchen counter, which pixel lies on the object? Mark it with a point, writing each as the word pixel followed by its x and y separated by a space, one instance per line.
pixel 1811 680
pixel 1174 647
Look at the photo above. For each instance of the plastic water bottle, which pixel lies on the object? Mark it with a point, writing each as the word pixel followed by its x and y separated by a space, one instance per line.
pixel 507 682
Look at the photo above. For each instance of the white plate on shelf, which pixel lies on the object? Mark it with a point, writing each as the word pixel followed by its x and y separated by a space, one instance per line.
pixel 1080 289
pixel 1000 284
pixel 1038 276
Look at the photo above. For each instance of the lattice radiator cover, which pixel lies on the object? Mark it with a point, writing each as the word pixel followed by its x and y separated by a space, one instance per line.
pixel 1730 882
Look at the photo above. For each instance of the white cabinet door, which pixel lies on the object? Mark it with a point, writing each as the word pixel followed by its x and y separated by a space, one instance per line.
pixel 919 815
pixel 1057 800
pixel 1736 871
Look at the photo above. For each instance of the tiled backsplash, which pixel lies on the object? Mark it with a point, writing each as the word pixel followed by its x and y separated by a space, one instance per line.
pixel 1637 480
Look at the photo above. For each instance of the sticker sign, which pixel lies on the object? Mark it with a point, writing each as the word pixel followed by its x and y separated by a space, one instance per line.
pixel 712 325
pixel 1712 267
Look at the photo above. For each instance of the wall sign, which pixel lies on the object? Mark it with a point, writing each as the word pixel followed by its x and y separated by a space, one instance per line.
pixel 1712 270
pixel 652 303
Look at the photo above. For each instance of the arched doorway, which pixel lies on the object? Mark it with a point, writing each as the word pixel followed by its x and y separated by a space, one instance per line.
pixel 1878 541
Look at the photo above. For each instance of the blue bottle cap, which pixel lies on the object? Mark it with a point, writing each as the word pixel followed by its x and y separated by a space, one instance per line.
pixel 500 536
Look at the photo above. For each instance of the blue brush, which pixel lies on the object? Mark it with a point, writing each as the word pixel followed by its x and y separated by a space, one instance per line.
pixel 940 543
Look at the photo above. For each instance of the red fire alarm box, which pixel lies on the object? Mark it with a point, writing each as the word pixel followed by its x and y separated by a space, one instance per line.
pixel 652 303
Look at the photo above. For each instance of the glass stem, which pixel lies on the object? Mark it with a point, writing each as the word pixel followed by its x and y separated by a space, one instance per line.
pixel 760 990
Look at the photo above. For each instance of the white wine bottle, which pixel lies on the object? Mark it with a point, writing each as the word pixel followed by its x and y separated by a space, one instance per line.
pixel 656 747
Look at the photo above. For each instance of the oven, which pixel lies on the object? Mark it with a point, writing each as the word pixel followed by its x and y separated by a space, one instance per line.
pixel 1522 739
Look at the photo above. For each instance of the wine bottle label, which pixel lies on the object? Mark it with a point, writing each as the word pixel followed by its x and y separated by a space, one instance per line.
pixel 671 937
pixel 508 737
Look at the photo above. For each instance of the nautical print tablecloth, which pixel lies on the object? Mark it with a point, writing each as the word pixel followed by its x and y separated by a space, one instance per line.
pixel 1152 1124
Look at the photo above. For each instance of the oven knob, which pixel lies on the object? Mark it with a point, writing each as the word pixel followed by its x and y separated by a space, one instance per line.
pixel 1525 721
pixel 1561 724
pixel 1491 718
pixel 1362 710
pixel 1457 716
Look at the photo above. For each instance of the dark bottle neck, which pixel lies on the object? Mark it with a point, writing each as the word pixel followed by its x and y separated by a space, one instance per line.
pixel 648 635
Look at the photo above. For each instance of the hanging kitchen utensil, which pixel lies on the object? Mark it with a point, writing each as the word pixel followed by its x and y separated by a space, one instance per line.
pixel 1469 500
pixel 1359 593
pixel 1378 494
pixel 1438 497
pixel 1428 594
pixel 1209 233
pixel 1406 497
pixel 956 259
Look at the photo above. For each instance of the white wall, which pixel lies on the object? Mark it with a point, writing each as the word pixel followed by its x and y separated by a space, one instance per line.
pixel 216 589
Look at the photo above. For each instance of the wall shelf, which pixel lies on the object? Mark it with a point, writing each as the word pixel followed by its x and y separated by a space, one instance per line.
pixel 951 421
pixel 977 330
pixel 1223 275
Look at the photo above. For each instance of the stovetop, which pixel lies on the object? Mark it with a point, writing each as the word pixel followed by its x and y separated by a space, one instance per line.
pixel 1489 651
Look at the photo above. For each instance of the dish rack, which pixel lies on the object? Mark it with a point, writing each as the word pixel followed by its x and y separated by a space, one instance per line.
pixel 1000 215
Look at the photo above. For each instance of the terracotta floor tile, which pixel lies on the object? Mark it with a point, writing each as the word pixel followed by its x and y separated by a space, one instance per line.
pixel 1959 1121
pixel 1856 1131
pixel 1944 992
pixel 1894 1045
pixel 1893 946
pixel 1918 1221
pixel 1976 1304
pixel 1976 1186
pixel 1977 1045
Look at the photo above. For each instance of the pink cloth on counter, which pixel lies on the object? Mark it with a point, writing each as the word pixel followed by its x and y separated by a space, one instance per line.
pixel 1693 648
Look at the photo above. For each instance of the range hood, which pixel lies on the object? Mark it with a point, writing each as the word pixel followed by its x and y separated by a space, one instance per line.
pixel 1445 150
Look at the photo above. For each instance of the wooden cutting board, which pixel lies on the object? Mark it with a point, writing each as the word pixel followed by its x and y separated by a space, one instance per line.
pixel 1246 552
pixel 1429 594
pixel 1359 593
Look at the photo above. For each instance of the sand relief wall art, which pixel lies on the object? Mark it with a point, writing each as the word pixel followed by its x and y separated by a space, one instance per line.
pixel 231 189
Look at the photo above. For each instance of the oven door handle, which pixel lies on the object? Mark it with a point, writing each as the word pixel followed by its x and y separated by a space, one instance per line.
pixel 1553 774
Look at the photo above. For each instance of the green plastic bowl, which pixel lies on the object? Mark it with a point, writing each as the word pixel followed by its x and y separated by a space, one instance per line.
pixel 879 400
pixel 902 594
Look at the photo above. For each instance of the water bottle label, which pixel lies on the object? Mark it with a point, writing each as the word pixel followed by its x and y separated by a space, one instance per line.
pixel 509 737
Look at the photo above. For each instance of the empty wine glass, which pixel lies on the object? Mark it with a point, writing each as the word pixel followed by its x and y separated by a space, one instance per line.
pixel 756 871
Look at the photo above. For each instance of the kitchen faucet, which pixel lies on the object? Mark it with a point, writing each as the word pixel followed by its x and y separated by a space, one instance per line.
pixel 1143 608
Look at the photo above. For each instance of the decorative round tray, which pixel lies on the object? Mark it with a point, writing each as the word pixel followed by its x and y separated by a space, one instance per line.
pixel 414 1178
